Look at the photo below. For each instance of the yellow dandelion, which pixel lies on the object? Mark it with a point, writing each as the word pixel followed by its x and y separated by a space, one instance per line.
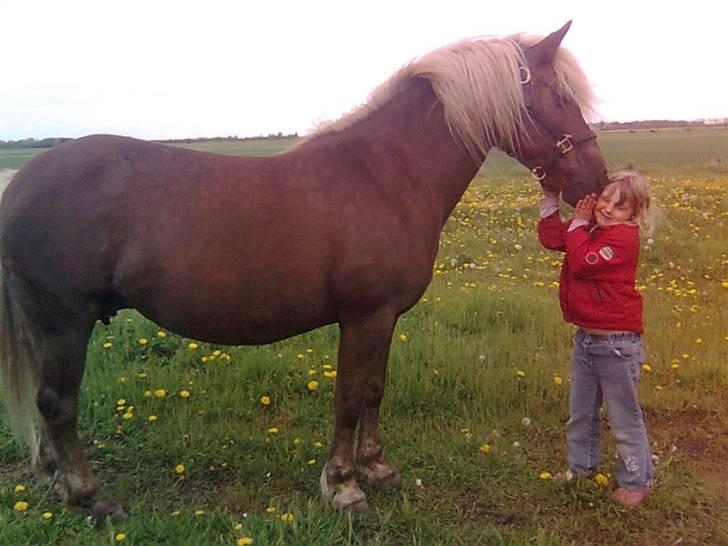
pixel 161 333
pixel 724 284
pixel 312 385
pixel 47 515
pixel 311 462
pixel 271 509
pixel 485 448
pixel 160 393
pixel 192 345
pixel 142 341
pixel 19 488
pixel 520 374
pixel 265 400
pixel 545 475
pixel 107 345
pixel 273 430
pixel 199 513
pixel 120 537
pixel 601 480
pixel 20 506
pixel 184 394
pixel 318 445
pixel 557 380
pixel 175 514
pixel 312 372
pixel 179 469
pixel 127 416
pixel 402 338
pixel 152 418
pixel 287 517
pixel 330 373
pixel 698 340
pixel 244 541
pixel 148 394
pixel 646 367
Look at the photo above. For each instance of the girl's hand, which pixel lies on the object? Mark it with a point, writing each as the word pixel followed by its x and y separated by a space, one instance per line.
pixel 584 209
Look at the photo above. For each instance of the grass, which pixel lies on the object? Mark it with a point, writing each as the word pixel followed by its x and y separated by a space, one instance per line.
pixel 484 349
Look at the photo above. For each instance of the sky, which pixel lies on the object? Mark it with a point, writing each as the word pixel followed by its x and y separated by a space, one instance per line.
pixel 158 69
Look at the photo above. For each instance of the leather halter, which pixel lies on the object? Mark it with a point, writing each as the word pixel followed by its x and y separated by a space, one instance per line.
pixel 565 142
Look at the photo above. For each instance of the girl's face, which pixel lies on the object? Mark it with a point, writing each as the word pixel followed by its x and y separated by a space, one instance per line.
pixel 609 211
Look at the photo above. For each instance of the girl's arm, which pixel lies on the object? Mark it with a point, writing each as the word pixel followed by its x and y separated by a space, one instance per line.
pixel 551 230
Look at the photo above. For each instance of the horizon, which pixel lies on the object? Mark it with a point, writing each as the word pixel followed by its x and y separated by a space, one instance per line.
pixel 228 70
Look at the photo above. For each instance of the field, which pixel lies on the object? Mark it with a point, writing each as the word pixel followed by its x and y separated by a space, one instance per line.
pixel 477 396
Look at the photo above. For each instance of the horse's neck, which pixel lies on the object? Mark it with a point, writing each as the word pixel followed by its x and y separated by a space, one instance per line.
pixel 408 144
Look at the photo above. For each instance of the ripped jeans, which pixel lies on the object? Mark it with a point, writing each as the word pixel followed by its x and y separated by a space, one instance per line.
pixel 607 367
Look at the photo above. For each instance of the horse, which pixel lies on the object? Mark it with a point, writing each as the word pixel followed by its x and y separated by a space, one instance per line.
pixel 342 227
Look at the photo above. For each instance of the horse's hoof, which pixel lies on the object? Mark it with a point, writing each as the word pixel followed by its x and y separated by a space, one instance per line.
pixel 351 498
pixel 384 476
pixel 107 508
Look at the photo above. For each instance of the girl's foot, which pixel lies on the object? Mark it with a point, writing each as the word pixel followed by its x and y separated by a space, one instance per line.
pixel 630 498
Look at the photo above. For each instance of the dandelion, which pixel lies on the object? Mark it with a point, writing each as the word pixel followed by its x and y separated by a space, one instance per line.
pixel 161 333
pixel 485 448
pixel 330 373
pixel 265 400
pixel 199 513
pixel 160 393
pixel 120 537
pixel 244 541
pixel 47 515
pixel 520 374
pixel 179 469
pixel 526 422
pixel 646 367
pixel 312 385
pixel 311 462
pixel 20 488
pixel 107 345
pixel 148 394
pixel 402 338
pixel 152 418
pixel 287 517
pixel 557 380
pixel 128 416
pixel 273 430
pixel 184 394
pixel 175 514
pixel 193 346
pixel 142 341
pixel 601 480
pixel 545 475
pixel 698 340
pixel 20 506
pixel 271 509
pixel 317 445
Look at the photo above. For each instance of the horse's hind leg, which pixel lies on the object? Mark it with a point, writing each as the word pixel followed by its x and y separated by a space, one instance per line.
pixel 62 360
pixel 363 350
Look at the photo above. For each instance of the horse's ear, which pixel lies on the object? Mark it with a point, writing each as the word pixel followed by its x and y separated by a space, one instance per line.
pixel 545 50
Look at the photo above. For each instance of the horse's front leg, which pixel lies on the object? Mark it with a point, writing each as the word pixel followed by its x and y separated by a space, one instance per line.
pixel 363 351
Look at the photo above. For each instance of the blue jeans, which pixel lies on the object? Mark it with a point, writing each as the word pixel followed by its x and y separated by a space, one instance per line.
pixel 607 367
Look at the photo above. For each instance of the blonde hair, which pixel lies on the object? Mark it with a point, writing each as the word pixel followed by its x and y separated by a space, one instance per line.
pixel 635 190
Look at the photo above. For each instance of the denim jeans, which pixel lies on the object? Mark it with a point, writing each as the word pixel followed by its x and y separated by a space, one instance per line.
pixel 607 367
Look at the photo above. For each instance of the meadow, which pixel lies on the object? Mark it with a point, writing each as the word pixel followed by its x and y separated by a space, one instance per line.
pixel 207 444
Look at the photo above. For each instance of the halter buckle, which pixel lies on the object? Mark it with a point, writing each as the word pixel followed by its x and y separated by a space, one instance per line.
pixel 565 145
pixel 538 173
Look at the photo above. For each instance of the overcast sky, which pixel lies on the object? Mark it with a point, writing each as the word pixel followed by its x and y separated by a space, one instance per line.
pixel 171 69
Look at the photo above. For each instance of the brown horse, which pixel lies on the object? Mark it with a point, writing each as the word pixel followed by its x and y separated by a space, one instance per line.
pixel 343 227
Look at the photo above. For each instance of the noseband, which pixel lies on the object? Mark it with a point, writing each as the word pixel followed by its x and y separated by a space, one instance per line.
pixel 564 141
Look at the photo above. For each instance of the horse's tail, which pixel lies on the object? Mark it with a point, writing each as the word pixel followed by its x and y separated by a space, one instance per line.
pixel 18 369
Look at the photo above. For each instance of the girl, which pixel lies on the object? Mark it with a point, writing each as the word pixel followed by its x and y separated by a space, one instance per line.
pixel 597 294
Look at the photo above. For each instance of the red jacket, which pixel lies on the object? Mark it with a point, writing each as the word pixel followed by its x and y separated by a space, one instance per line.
pixel 598 274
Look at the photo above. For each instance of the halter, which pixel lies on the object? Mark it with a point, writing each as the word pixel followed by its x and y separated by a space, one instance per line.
pixel 564 141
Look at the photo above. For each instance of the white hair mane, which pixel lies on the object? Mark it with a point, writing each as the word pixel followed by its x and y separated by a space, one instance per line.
pixel 478 82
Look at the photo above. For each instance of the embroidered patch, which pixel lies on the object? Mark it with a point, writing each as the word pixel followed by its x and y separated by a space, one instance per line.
pixel 606 252
pixel 591 258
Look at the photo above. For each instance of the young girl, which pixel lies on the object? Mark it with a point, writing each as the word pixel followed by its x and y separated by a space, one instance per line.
pixel 597 294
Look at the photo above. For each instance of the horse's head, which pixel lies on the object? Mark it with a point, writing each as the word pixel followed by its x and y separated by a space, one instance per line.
pixel 554 140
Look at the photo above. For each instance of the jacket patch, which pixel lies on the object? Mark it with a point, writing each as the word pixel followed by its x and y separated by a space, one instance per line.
pixel 591 258
pixel 606 252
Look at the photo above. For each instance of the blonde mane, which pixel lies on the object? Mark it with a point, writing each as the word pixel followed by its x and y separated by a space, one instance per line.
pixel 477 81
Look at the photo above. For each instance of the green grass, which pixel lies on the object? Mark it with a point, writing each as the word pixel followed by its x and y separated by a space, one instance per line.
pixel 453 385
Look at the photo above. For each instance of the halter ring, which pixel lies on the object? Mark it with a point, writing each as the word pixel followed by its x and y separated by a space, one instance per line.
pixel 538 173
pixel 525 74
